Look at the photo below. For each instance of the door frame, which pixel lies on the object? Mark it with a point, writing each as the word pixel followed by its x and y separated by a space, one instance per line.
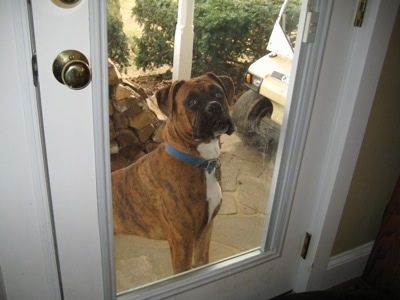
pixel 339 153
pixel 101 130
pixel 28 269
pixel 363 56
pixel 366 51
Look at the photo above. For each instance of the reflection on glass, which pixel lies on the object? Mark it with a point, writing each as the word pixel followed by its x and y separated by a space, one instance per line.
pixel 247 156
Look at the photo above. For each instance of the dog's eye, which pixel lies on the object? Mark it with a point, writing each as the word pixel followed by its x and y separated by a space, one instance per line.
pixel 192 102
pixel 219 94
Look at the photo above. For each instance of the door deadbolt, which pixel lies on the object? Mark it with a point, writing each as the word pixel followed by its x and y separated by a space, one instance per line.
pixel 66 3
pixel 71 68
pixel 69 1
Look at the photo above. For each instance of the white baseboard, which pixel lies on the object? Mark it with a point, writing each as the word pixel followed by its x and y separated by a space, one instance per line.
pixel 347 265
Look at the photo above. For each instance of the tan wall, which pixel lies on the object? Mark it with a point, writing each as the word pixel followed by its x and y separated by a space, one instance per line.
pixel 378 165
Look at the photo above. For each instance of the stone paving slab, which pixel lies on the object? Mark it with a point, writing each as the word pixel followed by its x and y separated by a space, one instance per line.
pixel 252 195
pixel 239 231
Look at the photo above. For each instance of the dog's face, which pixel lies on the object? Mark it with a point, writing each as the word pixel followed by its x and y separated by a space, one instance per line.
pixel 199 106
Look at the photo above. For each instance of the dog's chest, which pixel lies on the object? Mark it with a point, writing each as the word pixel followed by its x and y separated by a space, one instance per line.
pixel 214 193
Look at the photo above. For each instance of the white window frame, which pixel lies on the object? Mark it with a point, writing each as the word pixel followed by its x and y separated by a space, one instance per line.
pixel 289 154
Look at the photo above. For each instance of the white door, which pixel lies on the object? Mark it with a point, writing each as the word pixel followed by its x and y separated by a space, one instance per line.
pixel 70 125
pixel 75 134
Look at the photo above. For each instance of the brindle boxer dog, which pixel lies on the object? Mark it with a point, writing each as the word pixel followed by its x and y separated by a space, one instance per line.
pixel 173 192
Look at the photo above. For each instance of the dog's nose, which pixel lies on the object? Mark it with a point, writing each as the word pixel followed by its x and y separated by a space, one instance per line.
pixel 213 107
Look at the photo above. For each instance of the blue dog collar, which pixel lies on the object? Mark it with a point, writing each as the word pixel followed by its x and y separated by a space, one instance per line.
pixel 198 162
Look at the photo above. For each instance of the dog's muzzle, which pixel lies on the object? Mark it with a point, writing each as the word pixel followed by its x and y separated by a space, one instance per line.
pixel 213 108
pixel 213 122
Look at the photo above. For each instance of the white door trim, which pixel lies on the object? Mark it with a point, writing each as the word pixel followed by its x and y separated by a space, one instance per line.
pixel 363 51
pixel 29 266
pixel 347 265
pixel 98 30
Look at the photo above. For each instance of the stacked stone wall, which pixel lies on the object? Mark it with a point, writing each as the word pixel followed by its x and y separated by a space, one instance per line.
pixel 135 129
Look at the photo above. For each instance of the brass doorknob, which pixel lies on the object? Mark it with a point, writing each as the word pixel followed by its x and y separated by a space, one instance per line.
pixel 71 68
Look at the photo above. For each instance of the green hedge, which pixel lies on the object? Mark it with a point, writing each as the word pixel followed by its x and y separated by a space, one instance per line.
pixel 118 46
pixel 228 34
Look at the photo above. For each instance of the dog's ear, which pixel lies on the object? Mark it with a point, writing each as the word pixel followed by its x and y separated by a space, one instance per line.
pixel 227 83
pixel 165 97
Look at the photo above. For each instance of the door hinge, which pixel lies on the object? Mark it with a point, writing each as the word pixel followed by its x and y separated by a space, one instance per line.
pixel 306 245
pixel 35 70
pixel 359 17
pixel 310 27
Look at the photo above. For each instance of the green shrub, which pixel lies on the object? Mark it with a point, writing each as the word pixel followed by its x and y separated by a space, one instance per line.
pixel 228 34
pixel 155 47
pixel 118 46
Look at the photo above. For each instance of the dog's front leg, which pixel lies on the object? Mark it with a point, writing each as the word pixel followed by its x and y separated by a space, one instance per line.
pixel 181 253
pixel 202 246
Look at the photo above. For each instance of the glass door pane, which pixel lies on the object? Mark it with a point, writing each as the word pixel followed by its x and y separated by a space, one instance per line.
pixel 234 46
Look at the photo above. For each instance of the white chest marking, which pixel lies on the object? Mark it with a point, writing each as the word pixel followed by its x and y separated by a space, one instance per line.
pixel 214 192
